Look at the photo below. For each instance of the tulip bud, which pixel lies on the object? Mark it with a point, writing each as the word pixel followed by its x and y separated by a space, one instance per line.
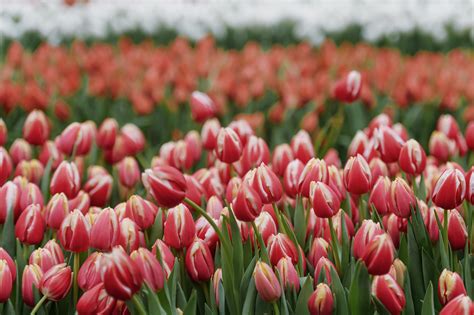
pixel 107 133
pixel 450 189
pixel 280 246
pixel 20 150
pixel 55 250
pixel 319 249
pixel 337 222
pixel 282 156
pixel 254 153
pixel 394 225
pixel 32 170
pixel 450 285
pixel 92 271
pixel 214 207
pixel 209 132
pixel 74 233
pixel 167 258
pixel 32 275
pixel 441 147
pixel 210 181
pixel 199 261
pixel 141 211
pixel 321 301
pixel 266 184
pixel 457 231
pixel 243 130
pixel 128 172
pixel 324 200
pixel 247 205
pixel 194 189
pixel 99 189
pixel 122 278
pixel 266 282
pixel 380 195
pixel 348 88
pixel 402 198
pixel 216 281
pixel 3 132
pixel 379 254
pixel 288 274
pixel 130 237
pixel 378 168
pixel 388 143
pixel 30 194
pixel 397 271
pixel 9 201
pixel 205 232
pixel 412 159
pixel 193 144
pixel 470 186
pixel 75 139
pixel 315 170
pixel 357 175
pixel 105 230
pixel 36 128
pixel 179 229
pixel 323 265
pixel 6 281
pixel 29 229
pixel 302 146
pixel 43 258
pixel 358 144
pixel 81 202
pixel 266 226
pixel 228 146
pixel 365 234
pixel 133 139
pixel 149 267
pixel 66 179
pixel 389 293
pixel 6 166
pixel 181 157
pixel 49 151
pixel 166 184
pixel 459 305
pixel 96 301
pixel 11 264
pixel 56 282
pixel 291 178
pixel 202 107
pixel 56 210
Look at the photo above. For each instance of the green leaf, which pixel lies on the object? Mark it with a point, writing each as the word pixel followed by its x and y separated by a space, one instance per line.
pixel 359 292
pixel 8 235
pixel 428 304
pixel 249 304
pixel 247 278
pixel 153 303
pixel 380 307
pixel 221 299
pixel 157 228
pixel 303 297
pixel 409 306
pixel 45 180
pixel 415 268
pixel 342 307
pixel 430 272
pixel 299 222
pixel 191 306
pixel 467 272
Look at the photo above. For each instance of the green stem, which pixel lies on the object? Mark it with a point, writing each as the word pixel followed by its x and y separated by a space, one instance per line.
pixel 205 289
pixel 277 214
pixel 76 271
pixel 138 305
pixel 334 246
pixel 38 305
pixel 276 311
pixel 445 231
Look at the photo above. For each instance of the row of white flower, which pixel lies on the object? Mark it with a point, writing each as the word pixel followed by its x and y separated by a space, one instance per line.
pixel 55 20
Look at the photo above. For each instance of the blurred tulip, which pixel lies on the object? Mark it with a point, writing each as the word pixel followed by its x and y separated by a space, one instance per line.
pixel 166 256
pixel 321 301
pixel 92 271
pixel 358 144
pixel 470 186
pixel 96 301
pixel 11 264
pixel 459 305
pixel 457 231
pixel 202 107
pixel 247 204
pixel 30 194
pixel 56 282
pixel 412 159
pixel 389 293
pixel 128 172
pixel 66 179
pixel 266 282
pixel 99 189
pixel 315 170
pixel 166 184
pixel 216 282
pixel 81 202
pixel 55 250
pixel 36 128
pixel 130 236
pixel 348 88
pixel 133 139
pixel 49 151
pixel 469 135
pixel 228 146
pixel 3 132
pixel 243 130
pixel 380 195
pixel 302 146
pixel 266 184
pixel 388 144
pixel 319 248
pixel 282 156
pixel 441 147
pixel 20 150
pixel 43 258
pixel 6 166
pixel 209 133
pixel 266 226
pixel 323 267
pixel 141 211
pixel 107 133
pixel 291 178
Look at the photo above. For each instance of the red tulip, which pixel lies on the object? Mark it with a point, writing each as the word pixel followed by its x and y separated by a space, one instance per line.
pixel 107 133
pixel 216 282
pixel 133 139
pixel 193 144
pixel 266 226
pixel 205 232
pixel 74 233
pixel 388 144
pixel 441 147
pixel 32 275
pixel 6 166
pixel 323 265
pixel 266 184
pixel 130 236
pixel 459 305
pixel 302 146
pixel 166 256
pixel 402 198
pixel 243 130
pixel 179 229
pixel 99 189
pixel 387 290
pixel 266 282
pixel 457 231
pixel 412 159
pixel 105 230
pixel 321 301
pixel 92 271
pixel 319 249
pixel 280 246
pixel 128 172
pixel 365 234
pixel 247 205
pixel 43 258
pixel 348 88
pixel 9 201
pixel 357 175
pixel 358 144
pixel 214 207
pixel 397 271
pixel 180 156
pixel 11 264
pixel 81 202
pixel 55 250
pixel 122 278
pixel 315 170
pixel 56 210
pixel 380 195
pixel 282 156
pixel 149 267
pixel 30 194
pixel 96 301
pixel 66 179
pixel 29 229
pixel 199 261
pixel 378 168
pixel 470 186
pixel 166 184
pixel 288 274
pixel 450 285
pixel 50 151
pixel 394 225
pixel 450 189
pixel 56 282
pixel 324 200
pixel 6 281
pixel 141 211
pixel 202 107
pixel 228 146
pixel 75 139
pixel 20 150
pixel 379 254
pixel 36 128
pixel 291 178
pixel 194 189
pixel 209 132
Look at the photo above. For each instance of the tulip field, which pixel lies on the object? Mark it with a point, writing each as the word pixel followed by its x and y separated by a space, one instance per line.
pixel 195 178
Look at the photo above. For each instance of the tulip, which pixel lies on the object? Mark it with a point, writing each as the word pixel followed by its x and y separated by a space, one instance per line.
pixel 31 278
pixel 266 184
pixel 194 189
pixel 20 150
pixel 402 198
pixel 205 232
pixel 282 156
pixel 209 132
pixel 107 133
pixel 412 159
pixel 291 178
pixel 450 189
pixel 243 130
pixel 92 271
pixel 56 210
pixel 199 261
pixel 49 151
pixel 202 107
pixel 394 225
pixel 55 250
pixel 358 144
pixel 74 233
pixel 216 283
pixel 348 88
pixel 166 184
pixel 321 301
pixel 130 236
pixel 99 189
pixel 6 281
pixel 180 156
pixel 441 147
pixel 457 231
pixel 105 230
pixel 179 228
pixel 389 293
pixel 315 170
pixel 141 211
pixel 459 305
pixel 228 146
pixel 357 175
pixel 388 143
pixel 380 195
pixel 469 134
pixel 266 226
pixel 397 271
pixel 128 172
pixel 30 226
pixel 323 265
pixel 288 274
pixel 122 278
pixel 133 139
pixel 193 145
pixel 266 282
pixel 6 166
pixel 379 254
pixel 247 205
pixel 378 168
pixel 214 207
pixel 75 140
pixel 56 282
pixel 30 194
pixel 319 248
pixel 324 200
pixel 365 234
pixel 43 258
pixel 9 201
pixel 210 182
pixel 280 246
pixel 167 258
pixel 337 224
pixel 11 264
pixel 450 285
pixel 81 202
pixel 470 186
pixel 36 128
pixel 302 146
pixel 96 301
pixel 149 267
pixel 66 179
